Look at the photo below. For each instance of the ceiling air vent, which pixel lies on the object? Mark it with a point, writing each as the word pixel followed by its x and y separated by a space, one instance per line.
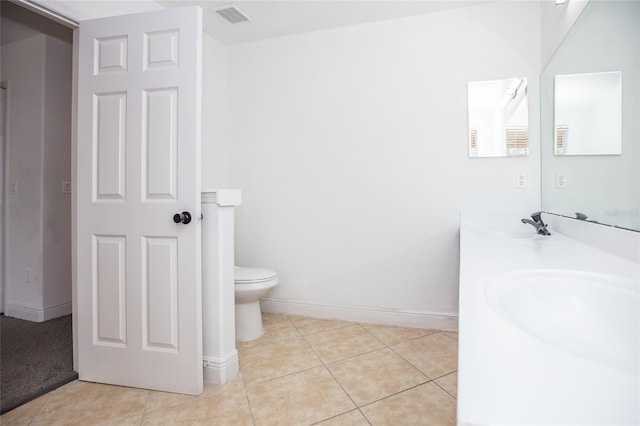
pixel 232 14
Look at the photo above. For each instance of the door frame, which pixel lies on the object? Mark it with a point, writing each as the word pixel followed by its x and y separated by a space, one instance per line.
pixel 44 11
pixel 3 194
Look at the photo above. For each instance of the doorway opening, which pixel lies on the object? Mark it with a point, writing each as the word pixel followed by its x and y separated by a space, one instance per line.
pixel 35 217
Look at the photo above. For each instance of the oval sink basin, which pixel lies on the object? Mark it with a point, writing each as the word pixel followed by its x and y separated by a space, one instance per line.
pixel 594 316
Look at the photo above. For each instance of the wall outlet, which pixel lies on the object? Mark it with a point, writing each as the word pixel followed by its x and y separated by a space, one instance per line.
pixel 521 180
pixel 561 181
pixel 28 276
pixel 14 187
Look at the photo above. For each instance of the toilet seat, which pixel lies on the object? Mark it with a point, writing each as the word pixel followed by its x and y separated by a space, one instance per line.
pixel 253 275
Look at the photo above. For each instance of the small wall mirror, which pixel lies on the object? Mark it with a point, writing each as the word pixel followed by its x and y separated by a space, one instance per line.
pixel 498 118
pixel 588 114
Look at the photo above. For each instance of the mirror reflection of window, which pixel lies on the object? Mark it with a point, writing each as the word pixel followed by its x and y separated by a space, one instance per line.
pixel 473 142
pixel 562 139
pixel 588 110
pixel 517 141
pixel 498 118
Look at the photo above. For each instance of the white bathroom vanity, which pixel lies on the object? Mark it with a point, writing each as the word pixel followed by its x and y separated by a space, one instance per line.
pixel 549 329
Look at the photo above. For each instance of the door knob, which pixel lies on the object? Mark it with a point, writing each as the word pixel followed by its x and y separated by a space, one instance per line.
pixel 184 217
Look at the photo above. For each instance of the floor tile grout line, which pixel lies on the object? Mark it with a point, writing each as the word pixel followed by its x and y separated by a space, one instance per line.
pixel 342 414
pixel 302 335
pixel 326 366
pixel 251 344
pixel 351 356
pixel 314 351
pixel 415 366
pixel 292 372
pixel 327 330
pixel 385 346
pixel 35 416
pixel 300 371
pixel 330 330
pixel 347 324
pixel 246 395
pixel 144 410
pixel 372 335
pixel 445 374
pixel 446 391
pixel 365 416
pixel 255 346
pixel 409 362
pixel 270 379
pixel 326 363
pixel 395 394
pixel 363 326
pixel 406 340
pixel 355 404
pixel 428 379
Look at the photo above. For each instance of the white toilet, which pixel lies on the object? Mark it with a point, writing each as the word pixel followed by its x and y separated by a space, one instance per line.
pixel 251 284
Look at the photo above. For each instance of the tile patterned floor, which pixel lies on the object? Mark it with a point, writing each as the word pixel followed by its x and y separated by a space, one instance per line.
pixel 303 371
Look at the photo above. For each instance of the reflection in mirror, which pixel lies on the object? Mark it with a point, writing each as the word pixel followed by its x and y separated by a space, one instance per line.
pixel 588 114
pixel 498 118
pixel 596 188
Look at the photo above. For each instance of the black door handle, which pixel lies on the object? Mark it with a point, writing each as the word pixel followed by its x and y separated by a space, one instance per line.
pixel 184 217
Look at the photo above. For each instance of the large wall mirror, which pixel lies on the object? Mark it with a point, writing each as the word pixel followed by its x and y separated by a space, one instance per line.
pixel 498 118
pixel 590 118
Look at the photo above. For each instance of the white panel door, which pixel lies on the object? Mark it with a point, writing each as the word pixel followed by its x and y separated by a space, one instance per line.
pixel 139 285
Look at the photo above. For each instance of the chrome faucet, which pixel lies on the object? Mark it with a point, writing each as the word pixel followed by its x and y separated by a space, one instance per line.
pixel 537 223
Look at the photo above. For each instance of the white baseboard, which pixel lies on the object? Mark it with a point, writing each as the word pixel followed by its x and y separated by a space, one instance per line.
pixel 23 312
pixel 220 370
pixel 35 314
pixel 429 320
pixel 57 311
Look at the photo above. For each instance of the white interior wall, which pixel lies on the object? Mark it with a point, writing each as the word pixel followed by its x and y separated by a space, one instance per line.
pixel 350 147
pixel 430 222
pixel 56 205
pixel 38 153
pixel 23 70
pixel 216 164
pixel 556 22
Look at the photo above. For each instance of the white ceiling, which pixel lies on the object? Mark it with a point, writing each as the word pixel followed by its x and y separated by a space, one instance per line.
pixel 269 19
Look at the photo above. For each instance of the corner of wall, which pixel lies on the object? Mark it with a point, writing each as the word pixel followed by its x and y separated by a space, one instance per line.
pixel 31 232
pixel 556 22
pixel 22 68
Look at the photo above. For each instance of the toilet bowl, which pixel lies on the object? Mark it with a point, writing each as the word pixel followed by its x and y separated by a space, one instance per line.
pixel 251 284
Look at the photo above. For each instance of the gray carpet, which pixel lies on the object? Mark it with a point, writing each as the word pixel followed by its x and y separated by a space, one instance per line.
pixel 35 358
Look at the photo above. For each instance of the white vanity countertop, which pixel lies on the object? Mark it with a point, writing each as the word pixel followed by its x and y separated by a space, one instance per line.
pixel 506 376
